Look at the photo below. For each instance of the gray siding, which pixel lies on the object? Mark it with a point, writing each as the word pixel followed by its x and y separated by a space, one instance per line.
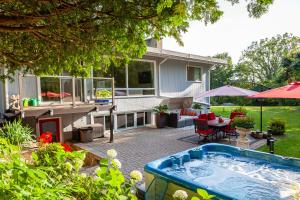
pixel 2 96
pixel 174 82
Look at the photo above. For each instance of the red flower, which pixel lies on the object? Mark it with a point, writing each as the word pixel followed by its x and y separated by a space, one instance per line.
pixel 45 137
pixel 66 147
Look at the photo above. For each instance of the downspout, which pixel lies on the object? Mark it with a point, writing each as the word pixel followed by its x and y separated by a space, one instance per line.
pixel 208 85
pixel 159 75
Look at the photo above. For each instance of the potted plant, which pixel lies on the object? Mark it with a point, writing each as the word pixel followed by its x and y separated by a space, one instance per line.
pixel 277 126
pixel 197 107
pixel 243 126
pixel 103 96
pixel 161 115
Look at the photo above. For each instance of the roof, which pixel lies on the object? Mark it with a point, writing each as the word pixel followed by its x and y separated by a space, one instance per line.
pixel 183 56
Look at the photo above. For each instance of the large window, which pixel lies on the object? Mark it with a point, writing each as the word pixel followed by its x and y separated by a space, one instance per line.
pixel 135 79
pixel 55 89
pixel 194 73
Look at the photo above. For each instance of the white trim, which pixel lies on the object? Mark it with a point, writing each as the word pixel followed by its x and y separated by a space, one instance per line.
pixel 157 52
pixel 186 73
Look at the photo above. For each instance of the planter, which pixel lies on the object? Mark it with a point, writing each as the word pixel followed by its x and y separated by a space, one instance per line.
pixel 161 120
pixel 257 135
pixel 243 141
pixel 86 134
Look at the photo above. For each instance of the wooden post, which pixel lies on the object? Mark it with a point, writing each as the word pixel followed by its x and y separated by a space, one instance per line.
pixel 73 92
pixel 20 79
pixel 111 125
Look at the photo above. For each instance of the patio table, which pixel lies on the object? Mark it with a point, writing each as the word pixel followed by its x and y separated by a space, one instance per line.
pixel 215 124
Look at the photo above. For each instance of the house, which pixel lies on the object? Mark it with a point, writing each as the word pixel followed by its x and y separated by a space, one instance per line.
pixel 67 102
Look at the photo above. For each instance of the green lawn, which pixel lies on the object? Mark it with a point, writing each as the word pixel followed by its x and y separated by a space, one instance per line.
pixel 288 145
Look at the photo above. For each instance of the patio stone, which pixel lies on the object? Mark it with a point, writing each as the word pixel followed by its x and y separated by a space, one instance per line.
pixel 137 147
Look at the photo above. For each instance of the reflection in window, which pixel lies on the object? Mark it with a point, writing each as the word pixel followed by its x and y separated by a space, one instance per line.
pixel 194 73
pixel 140 74
pixel 121 121
pixel 148 118
pixel 130 120
pixel 66 89
pixel 140 119
pixel 78 90
pixel 50 89
pixel 140 78
pixel 54 89
pixel 118 72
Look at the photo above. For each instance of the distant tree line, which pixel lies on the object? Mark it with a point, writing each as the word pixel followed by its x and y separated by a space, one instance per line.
pixel 265 64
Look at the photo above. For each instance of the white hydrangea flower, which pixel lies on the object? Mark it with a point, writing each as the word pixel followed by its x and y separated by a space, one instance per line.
pixel 136 175
pixel 83 175
pixel 112 153
pixel 117 163
pixel 69 166
pixel 180 195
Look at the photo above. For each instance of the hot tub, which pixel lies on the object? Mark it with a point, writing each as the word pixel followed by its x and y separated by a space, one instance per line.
pixel 225 171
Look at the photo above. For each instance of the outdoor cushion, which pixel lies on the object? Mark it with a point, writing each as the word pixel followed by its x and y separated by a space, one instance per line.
pixel 203 116
pixel 205 132
pixel 211 116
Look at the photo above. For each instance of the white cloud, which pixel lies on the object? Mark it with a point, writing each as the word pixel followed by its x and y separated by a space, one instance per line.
pixel 235 31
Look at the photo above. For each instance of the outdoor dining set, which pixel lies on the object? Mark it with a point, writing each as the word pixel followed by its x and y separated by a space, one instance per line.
pixel 210 126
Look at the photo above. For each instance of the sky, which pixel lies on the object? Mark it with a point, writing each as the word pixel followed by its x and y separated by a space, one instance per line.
pixel 235 31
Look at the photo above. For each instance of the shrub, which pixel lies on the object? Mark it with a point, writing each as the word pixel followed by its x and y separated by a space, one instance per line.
pixel 197 106
pixel 54 174
pixel 240 110
pixel 16 133
pixel 160 109
pixel 277 126
pixel 243 122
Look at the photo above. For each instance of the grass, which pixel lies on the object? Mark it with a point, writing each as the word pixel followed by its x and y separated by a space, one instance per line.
pixel 288 145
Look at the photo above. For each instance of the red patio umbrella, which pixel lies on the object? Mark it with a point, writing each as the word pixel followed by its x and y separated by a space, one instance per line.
pixel 291 91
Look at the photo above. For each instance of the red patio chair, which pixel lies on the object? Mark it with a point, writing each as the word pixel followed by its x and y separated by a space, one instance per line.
pixel 229 131
pixel 202 129
pixel 203 116
pixel 211 116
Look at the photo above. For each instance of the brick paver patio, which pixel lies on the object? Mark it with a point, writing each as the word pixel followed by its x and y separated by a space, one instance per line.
pixel 137 147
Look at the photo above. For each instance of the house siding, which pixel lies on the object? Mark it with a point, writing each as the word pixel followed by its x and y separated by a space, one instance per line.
pixel 173 80
pixel 2 96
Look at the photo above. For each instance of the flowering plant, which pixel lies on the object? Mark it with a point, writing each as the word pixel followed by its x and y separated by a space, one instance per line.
pixel 67 148
pixel 45 138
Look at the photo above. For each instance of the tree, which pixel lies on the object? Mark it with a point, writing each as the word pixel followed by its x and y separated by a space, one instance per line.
pixel 222 75
pixel 292 68
pixel 262 61
pixel 49 36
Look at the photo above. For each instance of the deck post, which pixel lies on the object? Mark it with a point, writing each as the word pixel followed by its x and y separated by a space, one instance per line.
pixel 73 92
pixel 111 123
pixel 20 80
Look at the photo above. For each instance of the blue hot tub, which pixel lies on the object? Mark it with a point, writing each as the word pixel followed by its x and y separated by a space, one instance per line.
pixel 225 171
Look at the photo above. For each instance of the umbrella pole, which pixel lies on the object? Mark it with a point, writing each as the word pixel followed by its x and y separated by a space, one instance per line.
pixel 261 117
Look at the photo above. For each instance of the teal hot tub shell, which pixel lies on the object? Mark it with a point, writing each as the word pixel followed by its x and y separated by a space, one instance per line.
pixel 225 171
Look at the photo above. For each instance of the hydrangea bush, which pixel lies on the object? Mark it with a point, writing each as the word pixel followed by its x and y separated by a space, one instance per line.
pixel 55 174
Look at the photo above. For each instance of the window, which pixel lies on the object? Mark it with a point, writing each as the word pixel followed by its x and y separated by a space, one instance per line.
pixel 105 120
pixel 194 73
pixel 148 118
pixel 50 89
pixel 135 79
pixel 141 78
pixel 130 120
pixel 121 121
pixel 56 89
pixel 140 119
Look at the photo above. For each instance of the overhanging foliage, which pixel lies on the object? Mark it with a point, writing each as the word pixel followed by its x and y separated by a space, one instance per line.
pixel 49 36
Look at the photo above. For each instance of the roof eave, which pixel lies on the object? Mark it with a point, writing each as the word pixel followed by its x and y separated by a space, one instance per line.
pixel 183 56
